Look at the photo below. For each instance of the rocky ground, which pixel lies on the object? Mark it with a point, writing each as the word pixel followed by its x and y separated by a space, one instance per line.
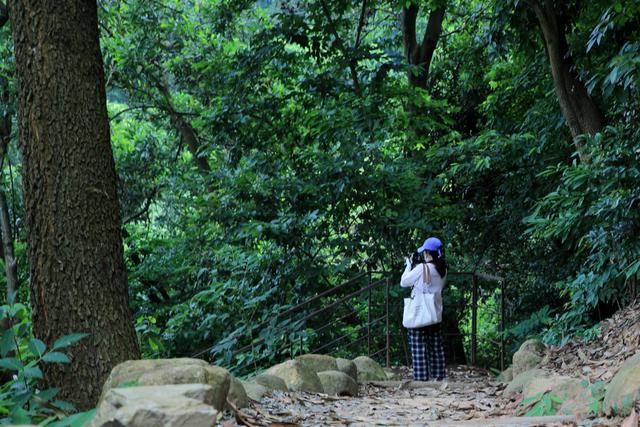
pixel 469 397
pixel 594 383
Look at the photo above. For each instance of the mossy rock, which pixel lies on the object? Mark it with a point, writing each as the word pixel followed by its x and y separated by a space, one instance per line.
pixel 348 367
pixel 237 394
pixel 271 382
pixel 369 369
pixel 505 376
pixel 521 381
pixel 318 362
pixel 170 371
pixel 297 376
pixel 254 390
pixel 338 383
pixel 624 388
pixel 529 356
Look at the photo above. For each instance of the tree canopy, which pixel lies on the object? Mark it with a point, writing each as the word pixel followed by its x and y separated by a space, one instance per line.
pixel 267 151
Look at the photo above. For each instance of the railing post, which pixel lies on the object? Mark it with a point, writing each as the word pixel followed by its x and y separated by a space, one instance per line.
pixel 369 317
pixel 301 346
pixel 388 343
pixel 474 318
pixel 502 324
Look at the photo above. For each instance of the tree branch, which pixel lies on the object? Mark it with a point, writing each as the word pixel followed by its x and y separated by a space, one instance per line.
pixel 341 47
pixel 145 207
pixel 409 16
pixel 4 14
pixel 431 36
pixel 363 14
pixel 135 107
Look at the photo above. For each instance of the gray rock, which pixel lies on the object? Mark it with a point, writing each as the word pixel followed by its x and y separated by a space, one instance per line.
pixel 348 367
pixel 369 369
pixel 170 371
pixel 297 376
pixel 318 362
pixel 521 381
pixel 338 383
pixel 528 357
pixel 184 405
pixel 624 388
pixel 271 382
pixel 237 394
pixel 506 376
pixel 254 390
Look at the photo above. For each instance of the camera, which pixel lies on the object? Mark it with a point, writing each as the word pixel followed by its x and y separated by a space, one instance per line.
pixel 417 258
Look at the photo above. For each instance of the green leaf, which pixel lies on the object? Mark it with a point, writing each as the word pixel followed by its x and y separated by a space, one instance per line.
pixel 6 342
pixel 56 357
pixel 75 420
pixel 20 416
pixel 65 406
pixel 11 363
pixel 67 340
pixel 32 372
pixel 48 394
pixel 37 347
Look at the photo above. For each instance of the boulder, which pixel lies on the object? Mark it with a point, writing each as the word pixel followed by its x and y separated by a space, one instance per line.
pixel 348 367
pixel 297 376
pixel 318 362
pixel 574 393
pixel 505 376
pixel 392 375
pixel 529 356
pixel 254 390
pixel 585 403
pixel 170 371
pixel 521 381
pixel 271 382
pixel 624 388
pixel 184 405
pixel 338 383
pixel 237 395
pixel 369 369
pixel 564 387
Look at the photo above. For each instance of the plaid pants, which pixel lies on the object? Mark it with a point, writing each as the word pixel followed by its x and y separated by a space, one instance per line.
pixel 427 352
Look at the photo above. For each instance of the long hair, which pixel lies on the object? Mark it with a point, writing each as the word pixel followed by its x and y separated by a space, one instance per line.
pixel 438 261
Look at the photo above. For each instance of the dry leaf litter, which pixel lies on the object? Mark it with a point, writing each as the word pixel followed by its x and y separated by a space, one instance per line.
pixel 468 397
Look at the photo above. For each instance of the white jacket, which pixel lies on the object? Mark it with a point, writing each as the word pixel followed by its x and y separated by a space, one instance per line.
pixel 415 277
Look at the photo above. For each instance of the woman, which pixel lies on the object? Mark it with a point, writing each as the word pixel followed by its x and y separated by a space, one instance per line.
pixel 427 351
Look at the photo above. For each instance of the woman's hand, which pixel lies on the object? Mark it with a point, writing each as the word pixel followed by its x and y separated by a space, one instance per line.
pixel 407 263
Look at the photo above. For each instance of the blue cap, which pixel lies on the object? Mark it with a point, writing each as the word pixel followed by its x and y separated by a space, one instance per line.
pixel 431 244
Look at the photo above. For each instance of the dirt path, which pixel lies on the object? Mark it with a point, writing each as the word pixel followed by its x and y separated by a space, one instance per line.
pixel 469 397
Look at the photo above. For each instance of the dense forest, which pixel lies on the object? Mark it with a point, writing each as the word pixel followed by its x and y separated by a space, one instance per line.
pixel 266 151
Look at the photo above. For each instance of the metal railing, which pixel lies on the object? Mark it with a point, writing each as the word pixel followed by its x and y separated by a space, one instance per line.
pixel 355 317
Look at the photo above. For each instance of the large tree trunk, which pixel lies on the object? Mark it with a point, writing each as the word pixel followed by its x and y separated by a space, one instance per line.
pixel 419 56
pixel 77 273
pixel 582 114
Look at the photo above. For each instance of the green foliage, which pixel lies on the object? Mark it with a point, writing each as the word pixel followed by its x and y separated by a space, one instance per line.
pixel 312 173
pixel 542 404
pixel 23 356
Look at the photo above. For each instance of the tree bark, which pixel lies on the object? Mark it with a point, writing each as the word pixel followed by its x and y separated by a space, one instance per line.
pixel 580 111
pixel 419 56
pixel 77 273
